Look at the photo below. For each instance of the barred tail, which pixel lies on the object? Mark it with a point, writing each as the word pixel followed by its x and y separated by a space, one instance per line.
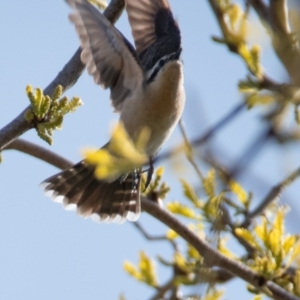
pixel 77 188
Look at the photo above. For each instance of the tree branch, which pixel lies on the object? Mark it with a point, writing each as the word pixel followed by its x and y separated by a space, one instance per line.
pixel 275 18
pixel 162 290
pixel 211 256
pixel 261 9
pixel 39 152
pixel 67 77
pixel 153 238
pixel 271 197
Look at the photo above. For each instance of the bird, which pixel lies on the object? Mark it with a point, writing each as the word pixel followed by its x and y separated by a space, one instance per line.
pixel 146 85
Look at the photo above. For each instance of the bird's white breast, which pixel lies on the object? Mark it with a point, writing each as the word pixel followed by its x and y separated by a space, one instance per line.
pixel 157 106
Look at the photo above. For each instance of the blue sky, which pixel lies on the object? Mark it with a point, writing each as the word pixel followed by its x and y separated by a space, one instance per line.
pixel 48 253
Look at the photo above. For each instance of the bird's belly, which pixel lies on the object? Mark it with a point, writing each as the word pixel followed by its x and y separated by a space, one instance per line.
pixel 159 113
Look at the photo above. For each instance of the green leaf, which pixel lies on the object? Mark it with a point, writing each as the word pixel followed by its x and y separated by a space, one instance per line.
pixel 275 244
pixel 71 105
pixel 251 57
pixel 239 192
pixel 297 283
pixel 209 183
pixel 157 187
pixel 255 60
pixel 190 193
pixel 171 234
pixel 212 207
pixel 224 250
pixel 119 157
pixel 289 243
pixel 132 270
pixel 262 230
pixel 183 210
pixel 181 262
pixel 42 133
pixel 258 297
pixel 57 93
pixel 147 270
pixel 248 236
pixel 234 14
pixel 214 295
pixel 193 253
pixel 101 4
pixel 44 107
pixel 278 224
pixel 46 114
pixel 295 252
pixel 248 86
pixel 55 122
pixel 255 99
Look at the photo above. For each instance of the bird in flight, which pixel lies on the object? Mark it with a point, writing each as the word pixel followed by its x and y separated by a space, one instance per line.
pixel 146 89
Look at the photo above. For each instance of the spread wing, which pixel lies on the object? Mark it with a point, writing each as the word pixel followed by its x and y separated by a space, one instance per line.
pixel 109 57
pixel 154 29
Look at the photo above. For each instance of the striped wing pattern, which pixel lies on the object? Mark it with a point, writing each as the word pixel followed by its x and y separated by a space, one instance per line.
pixel 77 189
pixel 154 29
pixel 108 56
pixel 142 16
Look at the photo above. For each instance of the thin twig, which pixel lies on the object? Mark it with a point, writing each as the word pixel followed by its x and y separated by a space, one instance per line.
pixel 189 151
pixel 210 132
pixel 251 152
pixel 272 196
pixel 67 77
pixel 152 237
pixel 162 290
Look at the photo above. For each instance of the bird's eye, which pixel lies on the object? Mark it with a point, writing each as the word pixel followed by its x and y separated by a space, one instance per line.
pixel 161 62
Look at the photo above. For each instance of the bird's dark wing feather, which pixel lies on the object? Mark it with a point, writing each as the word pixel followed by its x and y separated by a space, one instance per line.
pixel 154 29
pixel 109 57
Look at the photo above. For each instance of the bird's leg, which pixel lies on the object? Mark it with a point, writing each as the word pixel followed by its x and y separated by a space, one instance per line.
pixel 123 181
pixel 136 174
pixel 149 173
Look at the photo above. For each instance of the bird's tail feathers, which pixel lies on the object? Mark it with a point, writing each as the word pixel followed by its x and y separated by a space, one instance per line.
pixel 78 189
